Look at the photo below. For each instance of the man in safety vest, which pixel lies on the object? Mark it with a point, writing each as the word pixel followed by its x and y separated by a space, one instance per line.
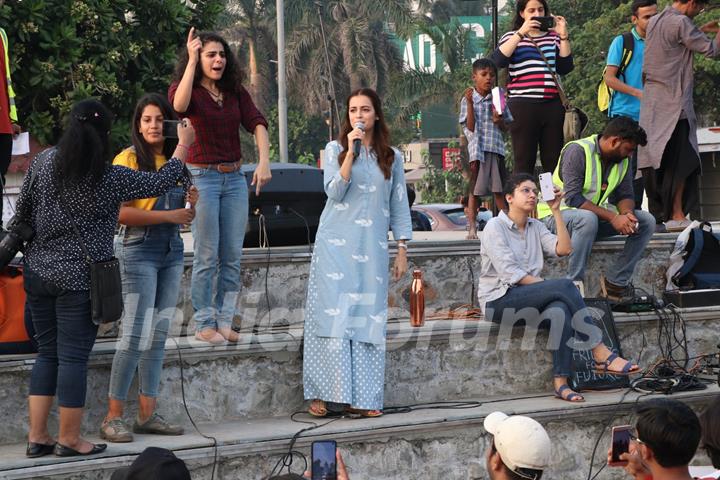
pixel 595 174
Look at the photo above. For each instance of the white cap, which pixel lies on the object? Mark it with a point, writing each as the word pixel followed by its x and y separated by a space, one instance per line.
pixel 521 442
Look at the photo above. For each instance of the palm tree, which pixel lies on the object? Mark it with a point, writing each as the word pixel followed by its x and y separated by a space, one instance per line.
pixel 251 24
pixel 414 90
pixel 358 47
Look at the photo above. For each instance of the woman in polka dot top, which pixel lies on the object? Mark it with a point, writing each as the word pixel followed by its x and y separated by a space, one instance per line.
pixel 76 180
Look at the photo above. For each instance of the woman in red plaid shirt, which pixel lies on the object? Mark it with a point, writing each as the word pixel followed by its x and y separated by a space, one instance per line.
pixel 208 90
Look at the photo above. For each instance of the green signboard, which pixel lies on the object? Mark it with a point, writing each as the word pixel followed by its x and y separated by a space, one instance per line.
pixel 419 53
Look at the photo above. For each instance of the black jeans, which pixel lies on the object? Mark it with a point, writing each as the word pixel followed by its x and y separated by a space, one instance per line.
pixel 536 125
pixel 65 335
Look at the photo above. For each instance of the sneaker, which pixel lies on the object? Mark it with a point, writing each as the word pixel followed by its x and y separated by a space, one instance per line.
pixel 115 431
pixel 157 425
pixel 677 225
pixel 615 293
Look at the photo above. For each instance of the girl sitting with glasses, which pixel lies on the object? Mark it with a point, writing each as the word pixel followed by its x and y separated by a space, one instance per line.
pixel 511 289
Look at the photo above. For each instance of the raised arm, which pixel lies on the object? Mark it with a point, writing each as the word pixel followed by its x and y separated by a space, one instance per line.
pixel 128 184
pixel 181 101
pixel 508 47
pixel 696 40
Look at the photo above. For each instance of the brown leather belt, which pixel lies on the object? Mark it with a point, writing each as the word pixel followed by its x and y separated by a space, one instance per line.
pixel 225 167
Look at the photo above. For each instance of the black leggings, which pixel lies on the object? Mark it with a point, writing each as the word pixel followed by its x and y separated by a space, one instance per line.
pixel 6 140
pixel 536 124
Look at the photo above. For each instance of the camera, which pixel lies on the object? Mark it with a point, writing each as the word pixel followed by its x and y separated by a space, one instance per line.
pixel 546 23
pixel 170 128
pixel 13 239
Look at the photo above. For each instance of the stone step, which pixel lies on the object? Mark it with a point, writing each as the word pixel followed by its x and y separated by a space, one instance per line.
pixel 441 443
pixel 450 269
pixel 262 375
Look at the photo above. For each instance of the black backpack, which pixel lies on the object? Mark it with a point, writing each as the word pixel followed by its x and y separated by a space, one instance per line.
pixel 701 268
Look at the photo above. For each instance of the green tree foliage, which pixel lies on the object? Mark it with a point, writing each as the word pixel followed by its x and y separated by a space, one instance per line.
pixel 360 51
pixel 115 50
pixel 250 24
pixel 307 135
pixel 442 186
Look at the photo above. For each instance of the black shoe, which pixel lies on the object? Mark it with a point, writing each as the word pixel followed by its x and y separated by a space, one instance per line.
pixel 63 451
pixel 35 450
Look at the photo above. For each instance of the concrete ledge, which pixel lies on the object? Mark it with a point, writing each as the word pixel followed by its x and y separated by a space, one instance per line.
pixel 390 447
pixel 450 269
pixel 446 359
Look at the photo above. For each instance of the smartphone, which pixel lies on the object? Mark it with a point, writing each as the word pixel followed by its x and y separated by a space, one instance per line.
pixel 324 464
pixel 620 444
pixel 170 128
pixel 546 186
pixel 546 23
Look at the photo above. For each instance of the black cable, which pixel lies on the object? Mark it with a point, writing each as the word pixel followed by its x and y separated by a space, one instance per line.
pixel 307 228
pixel 604 428
pixel 598 472
pixel 460 405
pixel 287 459
pixel 256 330
pixel 187 411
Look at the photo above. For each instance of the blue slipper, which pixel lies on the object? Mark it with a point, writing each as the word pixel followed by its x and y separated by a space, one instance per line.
pixel 604 367
pixel 573 397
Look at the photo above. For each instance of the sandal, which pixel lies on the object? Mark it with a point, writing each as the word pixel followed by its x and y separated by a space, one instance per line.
pixel 317 408
pixel 365 413
pixel 604 366
pixel 572 397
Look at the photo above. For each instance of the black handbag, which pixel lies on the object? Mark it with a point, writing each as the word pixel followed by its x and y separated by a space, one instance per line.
pixel 106 302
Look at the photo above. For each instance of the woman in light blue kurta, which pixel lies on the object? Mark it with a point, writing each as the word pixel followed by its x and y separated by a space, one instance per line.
pixel 346 307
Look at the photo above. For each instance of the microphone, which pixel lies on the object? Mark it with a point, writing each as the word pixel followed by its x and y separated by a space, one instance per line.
pixel 357 143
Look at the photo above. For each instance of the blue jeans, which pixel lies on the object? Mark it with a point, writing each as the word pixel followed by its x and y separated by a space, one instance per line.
pixel 218 232
pixel 151 262
pixel 585 227
pixel 553 304
pixel 65 334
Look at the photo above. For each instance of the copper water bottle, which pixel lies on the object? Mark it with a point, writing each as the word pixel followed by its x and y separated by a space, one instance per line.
pixel 417 300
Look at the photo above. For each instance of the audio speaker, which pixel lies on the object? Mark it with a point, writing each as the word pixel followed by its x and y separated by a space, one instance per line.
pixel 291 205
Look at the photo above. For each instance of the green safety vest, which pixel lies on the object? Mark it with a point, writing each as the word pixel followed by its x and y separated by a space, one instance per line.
pixel 11 93
pixel 592 188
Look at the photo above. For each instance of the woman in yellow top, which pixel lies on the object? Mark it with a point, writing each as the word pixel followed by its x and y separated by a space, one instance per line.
pixel 151 255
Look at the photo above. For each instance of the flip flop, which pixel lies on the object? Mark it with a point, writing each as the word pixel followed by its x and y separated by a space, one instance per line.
pixel 365 413
pixel 604 366
pixel 573 397
pixel 317 411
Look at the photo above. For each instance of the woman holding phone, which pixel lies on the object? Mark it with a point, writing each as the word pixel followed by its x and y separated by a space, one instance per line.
pixel 208 89
pixel 533 95
pixel 346 306
pixel 74 183
pixel 150 251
